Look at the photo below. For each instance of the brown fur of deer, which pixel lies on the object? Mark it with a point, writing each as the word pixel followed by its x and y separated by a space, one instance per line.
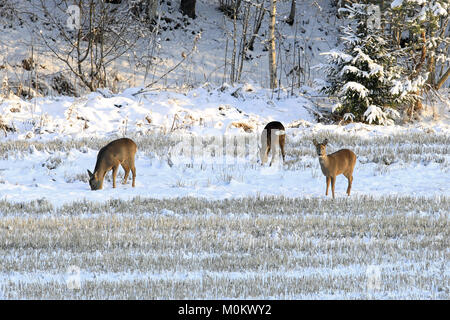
pixel 332 165
pixel 117 152
pixel 272 136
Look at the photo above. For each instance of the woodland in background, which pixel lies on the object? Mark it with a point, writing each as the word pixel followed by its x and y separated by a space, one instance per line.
pixel 414 34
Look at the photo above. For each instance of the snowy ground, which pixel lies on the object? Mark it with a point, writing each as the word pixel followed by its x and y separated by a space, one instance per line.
pixel 391 160
pixel 208 229
pixel 272 248
pixel 31 177
pixel 241 230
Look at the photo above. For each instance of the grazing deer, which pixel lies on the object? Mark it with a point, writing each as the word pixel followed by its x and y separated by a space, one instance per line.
pixel 120 151
pixel 332 165
pixel 272 135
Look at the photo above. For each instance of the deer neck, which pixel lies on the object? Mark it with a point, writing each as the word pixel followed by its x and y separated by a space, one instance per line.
pixel 323 159
pixel 324 163
pixel 100 168
pixel 101 173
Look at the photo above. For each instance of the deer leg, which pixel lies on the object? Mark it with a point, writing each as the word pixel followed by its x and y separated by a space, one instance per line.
pixel 114 174
pixel 328 184
pixel 282 151
pixel 126 168
pixel 350 180
pixel 274 153
pixel 133 171
pixel 333 181
pixel 266 155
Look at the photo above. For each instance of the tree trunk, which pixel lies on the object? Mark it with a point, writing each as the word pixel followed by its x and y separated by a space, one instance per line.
pixel 443 79
pixel 233 55
pixel 187 7
pixel 152 9
pixel 259 19
pixel 431 68
pixel 272 47
pixel 291 18
pixel 418 104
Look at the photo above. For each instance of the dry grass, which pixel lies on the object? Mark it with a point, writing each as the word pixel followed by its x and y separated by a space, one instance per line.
pixel 269 247
pixel 263 247
pixel 245 126
pixel 408 147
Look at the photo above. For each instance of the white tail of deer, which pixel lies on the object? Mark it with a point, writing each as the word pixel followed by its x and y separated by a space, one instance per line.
pixel 273 135
pixel 332 165
pixel 117 152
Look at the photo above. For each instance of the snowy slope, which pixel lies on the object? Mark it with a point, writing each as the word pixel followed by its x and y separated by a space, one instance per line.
pixel 102 115
pixel 315 31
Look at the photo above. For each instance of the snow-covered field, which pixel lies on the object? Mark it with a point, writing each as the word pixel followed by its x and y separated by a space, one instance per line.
pixel 61 177
pixel 202 227
pixel 45 159
pixel 267 247
pixel 209 229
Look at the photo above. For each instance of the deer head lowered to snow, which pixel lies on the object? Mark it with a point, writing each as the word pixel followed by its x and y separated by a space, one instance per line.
pixel 117 152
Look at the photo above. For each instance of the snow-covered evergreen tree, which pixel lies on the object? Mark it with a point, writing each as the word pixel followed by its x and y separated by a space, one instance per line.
pixel 420 28
pixel 365 75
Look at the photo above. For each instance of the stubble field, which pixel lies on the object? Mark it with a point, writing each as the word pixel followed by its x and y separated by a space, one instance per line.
pixel 388 243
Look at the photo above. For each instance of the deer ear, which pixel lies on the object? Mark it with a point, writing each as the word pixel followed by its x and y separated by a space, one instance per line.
pixel 90 174
pixel 325 142
pixel 315 142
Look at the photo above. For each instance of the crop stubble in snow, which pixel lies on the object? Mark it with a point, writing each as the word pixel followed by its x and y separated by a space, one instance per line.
pixel 246 247
pixel 268 247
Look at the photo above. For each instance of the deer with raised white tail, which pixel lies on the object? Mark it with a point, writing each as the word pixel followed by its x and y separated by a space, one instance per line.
pixel 117 152
pixel 332 165
pixel 272 136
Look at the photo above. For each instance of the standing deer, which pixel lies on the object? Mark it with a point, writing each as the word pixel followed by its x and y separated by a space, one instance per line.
pixel 115 153
pixel 332 165
pixel 272 135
